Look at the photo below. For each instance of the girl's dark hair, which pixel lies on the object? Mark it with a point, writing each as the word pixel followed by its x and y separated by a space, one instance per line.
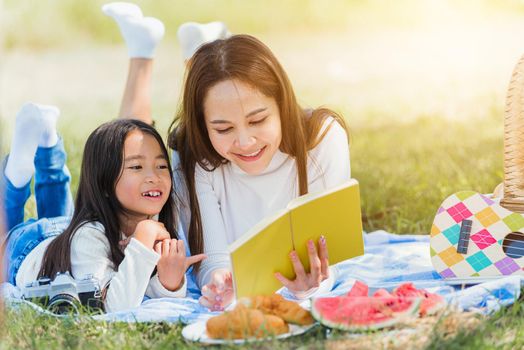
pixel 246 59
pixel 96 200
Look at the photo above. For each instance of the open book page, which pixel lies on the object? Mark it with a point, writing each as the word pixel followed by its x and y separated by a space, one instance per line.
pixel 335 214
pixel 257 259
pixel 258 228
pixel 314 195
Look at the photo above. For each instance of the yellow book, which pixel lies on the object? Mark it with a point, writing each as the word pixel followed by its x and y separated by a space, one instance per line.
pixel 264 249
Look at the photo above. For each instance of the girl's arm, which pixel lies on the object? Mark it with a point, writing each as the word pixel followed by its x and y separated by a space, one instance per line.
pixel 126 287
pixel 170 281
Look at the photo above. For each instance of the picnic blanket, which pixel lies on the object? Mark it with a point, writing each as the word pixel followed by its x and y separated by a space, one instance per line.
pixel 389 260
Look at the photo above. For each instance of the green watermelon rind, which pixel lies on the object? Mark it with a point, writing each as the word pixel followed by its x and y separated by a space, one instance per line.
pixel 398 316
pixel 436 307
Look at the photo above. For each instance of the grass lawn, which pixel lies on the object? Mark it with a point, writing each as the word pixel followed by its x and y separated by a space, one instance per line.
pixel 422 91
pixel 26 329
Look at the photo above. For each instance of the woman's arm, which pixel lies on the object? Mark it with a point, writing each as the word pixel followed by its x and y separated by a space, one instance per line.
pixel 213 227
pixel 214 277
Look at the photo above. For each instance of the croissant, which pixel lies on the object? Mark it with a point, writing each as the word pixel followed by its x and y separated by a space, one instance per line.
pixel 242 322
pixel 276 305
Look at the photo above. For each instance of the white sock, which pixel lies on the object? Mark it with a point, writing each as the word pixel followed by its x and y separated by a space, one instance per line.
pixel 141 34
pixel 49 116
pixel 192 35
pixel 29 127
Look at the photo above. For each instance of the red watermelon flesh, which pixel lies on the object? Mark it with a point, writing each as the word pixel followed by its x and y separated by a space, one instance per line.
pixel 359 289
pixel 381 293
pixel 431 302
pixel 362 313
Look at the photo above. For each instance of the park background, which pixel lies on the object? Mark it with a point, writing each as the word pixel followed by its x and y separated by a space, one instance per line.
pixel 421 83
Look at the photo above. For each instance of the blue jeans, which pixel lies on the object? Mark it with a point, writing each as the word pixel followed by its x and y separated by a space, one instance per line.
pixel 54 204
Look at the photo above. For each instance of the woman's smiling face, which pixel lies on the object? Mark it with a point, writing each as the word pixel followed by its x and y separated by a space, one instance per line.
pixel 243 125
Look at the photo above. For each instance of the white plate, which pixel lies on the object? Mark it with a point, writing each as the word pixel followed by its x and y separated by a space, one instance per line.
pixel 197 332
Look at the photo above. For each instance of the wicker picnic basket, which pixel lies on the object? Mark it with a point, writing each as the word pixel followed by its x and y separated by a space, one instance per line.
pixel 513 198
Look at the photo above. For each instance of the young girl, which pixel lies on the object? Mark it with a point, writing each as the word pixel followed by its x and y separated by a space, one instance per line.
pixel 125 191
pixel 246 149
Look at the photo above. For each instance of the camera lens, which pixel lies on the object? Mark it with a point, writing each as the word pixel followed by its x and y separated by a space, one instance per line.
pixel 64 304
pixel 44 281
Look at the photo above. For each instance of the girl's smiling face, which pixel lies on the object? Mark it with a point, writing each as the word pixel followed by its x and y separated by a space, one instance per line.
pixel 243 125
pixel 145 182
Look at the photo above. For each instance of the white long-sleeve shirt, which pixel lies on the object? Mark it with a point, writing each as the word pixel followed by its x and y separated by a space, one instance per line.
pixel 232 201
pixel 90 252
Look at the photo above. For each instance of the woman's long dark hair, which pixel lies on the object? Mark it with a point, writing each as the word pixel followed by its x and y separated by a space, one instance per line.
pixel 96 199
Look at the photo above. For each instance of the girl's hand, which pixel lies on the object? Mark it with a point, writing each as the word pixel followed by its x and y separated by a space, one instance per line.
pixel 173 263
pixel 319 268
pixel 218 293
pixel 124 242
pixel 150 231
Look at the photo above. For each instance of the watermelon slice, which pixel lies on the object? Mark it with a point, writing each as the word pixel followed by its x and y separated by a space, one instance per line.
pixel 359 289
pixel 431 302
pixel 362 313
pixel 381 293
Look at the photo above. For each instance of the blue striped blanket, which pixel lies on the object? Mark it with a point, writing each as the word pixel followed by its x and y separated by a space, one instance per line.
pixel 389 260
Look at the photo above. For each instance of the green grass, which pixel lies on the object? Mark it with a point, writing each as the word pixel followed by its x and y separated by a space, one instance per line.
pixel 406 170
pixel 504 330
pixel 27 329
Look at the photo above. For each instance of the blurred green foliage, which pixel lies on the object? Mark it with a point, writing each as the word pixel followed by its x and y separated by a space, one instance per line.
pixel 41 24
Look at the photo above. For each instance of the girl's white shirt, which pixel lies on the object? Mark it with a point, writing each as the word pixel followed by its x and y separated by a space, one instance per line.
pixel 232 201
pixel 90 251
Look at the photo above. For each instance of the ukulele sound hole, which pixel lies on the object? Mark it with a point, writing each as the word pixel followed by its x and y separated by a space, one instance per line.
pixel 513 245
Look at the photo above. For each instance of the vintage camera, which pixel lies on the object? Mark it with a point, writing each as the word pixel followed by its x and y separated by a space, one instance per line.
pixel 64 294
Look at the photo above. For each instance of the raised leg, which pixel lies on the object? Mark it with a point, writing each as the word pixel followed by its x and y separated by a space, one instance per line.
pixel 192 35
pixel 31 130
pixel 136 102
pixel 52 182
pixel 141 35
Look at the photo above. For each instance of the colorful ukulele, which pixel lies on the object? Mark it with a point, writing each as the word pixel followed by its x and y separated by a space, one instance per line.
pixel 474 235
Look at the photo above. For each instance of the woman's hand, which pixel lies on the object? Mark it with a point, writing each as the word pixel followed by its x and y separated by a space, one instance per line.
pixel 218 293
pixel 319 266
pixel 173 262
pixel 148 232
